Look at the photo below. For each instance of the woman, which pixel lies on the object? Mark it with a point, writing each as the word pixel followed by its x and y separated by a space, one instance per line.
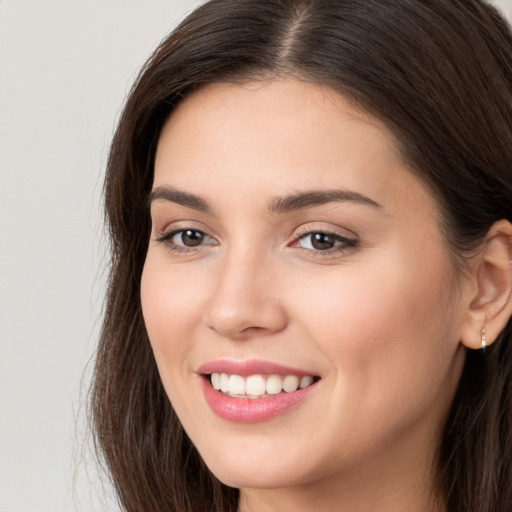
pixel 310 295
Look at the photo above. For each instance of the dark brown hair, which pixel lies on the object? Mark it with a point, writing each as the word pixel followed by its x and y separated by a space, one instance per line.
pixel 439 74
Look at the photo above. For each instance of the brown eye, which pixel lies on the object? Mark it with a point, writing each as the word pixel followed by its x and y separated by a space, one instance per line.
pixel 322 241
pixel 189 237
pixel 319 241
pixel 183 239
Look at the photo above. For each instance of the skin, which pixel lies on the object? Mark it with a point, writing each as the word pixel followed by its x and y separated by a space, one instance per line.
pixel 379 319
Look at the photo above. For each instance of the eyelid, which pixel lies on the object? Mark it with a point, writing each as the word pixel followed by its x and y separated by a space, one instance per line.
pixel 180 225
pixel 347 242
pixel 320 227
pixel 167 235
pixel 164 236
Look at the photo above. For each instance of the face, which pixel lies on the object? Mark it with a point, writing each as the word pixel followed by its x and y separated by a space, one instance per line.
pixel 296 264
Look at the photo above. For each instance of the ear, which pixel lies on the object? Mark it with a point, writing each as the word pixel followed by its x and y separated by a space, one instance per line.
pixel 490 307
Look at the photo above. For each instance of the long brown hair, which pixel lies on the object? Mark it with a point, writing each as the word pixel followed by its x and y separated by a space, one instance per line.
pixel 439 74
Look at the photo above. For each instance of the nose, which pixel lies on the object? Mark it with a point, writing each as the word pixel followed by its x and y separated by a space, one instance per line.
pixel 245 302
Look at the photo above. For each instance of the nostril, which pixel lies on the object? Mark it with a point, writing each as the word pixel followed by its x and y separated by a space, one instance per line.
pixel 244 305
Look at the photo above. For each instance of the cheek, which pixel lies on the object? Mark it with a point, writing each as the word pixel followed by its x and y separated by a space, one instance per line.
pixel 170 306
pixel 384 337
pixel 366 306
pixel 383 327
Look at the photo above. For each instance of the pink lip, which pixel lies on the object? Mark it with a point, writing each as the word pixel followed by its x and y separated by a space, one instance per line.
pixel 248 410
pixel 251 367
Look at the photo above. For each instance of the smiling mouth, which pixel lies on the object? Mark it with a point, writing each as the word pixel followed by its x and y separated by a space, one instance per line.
pixel 258 386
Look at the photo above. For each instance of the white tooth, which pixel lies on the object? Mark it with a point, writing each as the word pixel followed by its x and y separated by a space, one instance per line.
pixel 306 381
pixel 273 385
pixel 215 377
pixel 255 385
pixel 224 382
pixel 236 385
pixel 290 383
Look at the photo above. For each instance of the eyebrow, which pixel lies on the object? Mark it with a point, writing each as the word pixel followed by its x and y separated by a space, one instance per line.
pixel 177 196
pixel 283 204
pixel 318 197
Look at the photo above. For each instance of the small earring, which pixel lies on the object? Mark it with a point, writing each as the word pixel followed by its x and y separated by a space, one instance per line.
pixel 484 339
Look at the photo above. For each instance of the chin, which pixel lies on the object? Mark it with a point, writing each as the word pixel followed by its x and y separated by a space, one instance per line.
pixel 263 469
pixel 248 476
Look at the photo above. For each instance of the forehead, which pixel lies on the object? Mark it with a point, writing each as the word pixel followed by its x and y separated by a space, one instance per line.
pixel 277 137
pixel 273 105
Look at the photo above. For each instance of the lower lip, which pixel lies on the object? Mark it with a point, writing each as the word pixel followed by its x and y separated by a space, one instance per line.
pixel 248 410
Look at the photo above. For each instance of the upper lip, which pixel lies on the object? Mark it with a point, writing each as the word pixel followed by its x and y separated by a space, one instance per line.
pixel 250 367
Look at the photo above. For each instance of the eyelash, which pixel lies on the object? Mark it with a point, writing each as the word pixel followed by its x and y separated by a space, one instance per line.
pixel 344 244
pixel 165 239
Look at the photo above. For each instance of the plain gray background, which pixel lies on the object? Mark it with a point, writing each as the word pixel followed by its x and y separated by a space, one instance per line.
pixel 65 67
